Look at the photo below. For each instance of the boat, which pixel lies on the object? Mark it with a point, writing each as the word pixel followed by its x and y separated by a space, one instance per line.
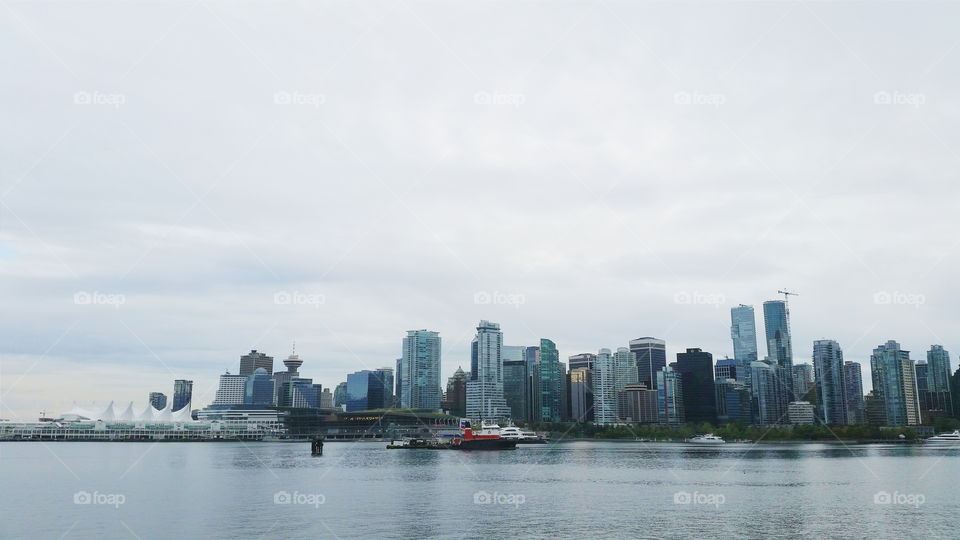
pixel 944 438
pixel 522 437
pixel 511 432
pixel 708 438
pixel 487 438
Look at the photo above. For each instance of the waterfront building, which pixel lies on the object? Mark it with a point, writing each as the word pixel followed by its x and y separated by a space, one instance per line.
pixel 605 397
pixel 258 388
pixel 875 410
pixel 326 399
pixel 515 387
pixel 182 393
pixel 894 380
pixel 340 396
pixel 853 379
pixel 800 412
pixel 934 384
pixel 158 400
pixel 455 399
pixel 253 360
pixel 419 370
pixel 231 389
pixel 581 394
pixel 831 381
pixel 802 379
pixel 669 387
pixel 725 369
pixel 638 404
pixel 551 377
pixel 651 356
pixel 366 390
pixel 766 391
pixel 626 365
pixel 699 392
pixel 582 360
pixel 733 401
pixel 743 331
pixel 386 376
pixel 485 388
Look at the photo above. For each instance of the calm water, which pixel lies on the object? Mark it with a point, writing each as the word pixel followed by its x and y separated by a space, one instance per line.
pixel 580 489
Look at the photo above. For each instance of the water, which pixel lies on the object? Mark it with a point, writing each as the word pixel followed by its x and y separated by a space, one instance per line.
pixel 577 489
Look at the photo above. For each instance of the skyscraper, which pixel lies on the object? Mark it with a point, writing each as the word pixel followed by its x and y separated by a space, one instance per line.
pixel 936 398
pixel 669 387
pixel 158 400
pixel 386 376
pixel 366 390
pixel 258 388
pixel 485 388
pixel 638 404
pixel 776 319
pixel 456 398
pixel 253 360
pixel 515 388
pixel 231 390
pixel 651 358
pixel 743 331
pixel 831 380
pixel 340 395
pixel 581 360
pixel 767 404
pixel 727 368
pixel 699 392
pixel 551 383
pixel 420 370
pixel 627 372
pixel 581 394
pixel 894 381
pixel 605 388
pixel 856 408
pixel 803 379
pixel 182 394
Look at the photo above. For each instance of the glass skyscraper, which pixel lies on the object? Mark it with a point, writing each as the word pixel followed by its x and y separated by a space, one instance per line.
pixel 182 394
pixel 831 380
pixel 776 320
pixel 894 381
pixel 605 388
pixel 699 390
pixel 743 331
pixel 581 394
pixel 651 358
pixel 419 373
pixel 767 406
pixel 670 397
pixel 856 408
pixel 258 389
pixel 551 383
pixel 515 386
pixel 485 388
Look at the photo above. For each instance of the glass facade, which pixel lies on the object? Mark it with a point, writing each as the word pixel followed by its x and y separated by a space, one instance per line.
pixel 699 393
pixel 831 379
pixel 419 371
pixel 853 379
pixel 551 382
pixel 743 331
pixel 894 381
pixel 182 393
pixel 651 356
pixel 605 388
pixel 515 383
pixel 258 389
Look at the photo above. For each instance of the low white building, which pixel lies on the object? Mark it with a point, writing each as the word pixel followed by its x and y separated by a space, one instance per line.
pixel 800 412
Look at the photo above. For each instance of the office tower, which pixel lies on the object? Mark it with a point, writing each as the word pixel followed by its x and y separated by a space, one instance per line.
pixel 699 393
pixel 258 389
pixel 605 388
pixel 856 413
pixel 638 404
pixel 158 400
pixel 831 381
pixel 669 386
pixel 253 360
pixel 894 381
pixel 768 407
pixel 485 388
pixel 582 360
pixel 398 384
pixel 231 389
pixel 515 387
pixel 367 390
pixel 627 372
pixel 419 370
pixel 800 412
pixel 651 358
pixel 581 394
pixel 513 353
pixel 551 383
pixel 875 410
pixel 340 396
pixel 743 331
pixel 936 398
pixel 182 394
pixel 733 401
pixel 456 395
pixel 386 377
pixel 326 399
pixel 726 369
pixel 776 319
pixel 532 356
pixel 802 379
pixel 302 393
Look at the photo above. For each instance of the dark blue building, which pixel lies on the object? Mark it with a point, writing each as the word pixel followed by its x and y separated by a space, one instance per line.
pixel 368 390
pixel 258 389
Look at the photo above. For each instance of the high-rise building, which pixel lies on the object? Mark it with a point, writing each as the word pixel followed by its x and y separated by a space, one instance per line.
pixel 627 372
pixel 894 381
pixel 515 387
pixel 726 368
pixel 326 399
pixel 551 383
pixel 605 398
pixel 386 376
pixel 485 388
pixel 340 396
pixel 581 394
pixel 651 357
pixel 733 401
pixel 513 353
pixel 802 379
pixel 776 320
pixel 456 395
pixel 669 386
pixel 258 389
pixel 231 389
pixel 281 380
pixel 853 379
pixel 699 392
pixel 420 370
pixel 766 391
pixel 800 412
pixel 638 404
pixel 253 360
pixel 182 394
pixel 934 386
pixel 875 410
pixel 743 331
pixel 831 381
pixel 367 390
pixel 581 360
pixel 158 400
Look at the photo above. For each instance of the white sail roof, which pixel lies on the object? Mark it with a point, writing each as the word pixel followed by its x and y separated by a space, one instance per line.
pixel 112 413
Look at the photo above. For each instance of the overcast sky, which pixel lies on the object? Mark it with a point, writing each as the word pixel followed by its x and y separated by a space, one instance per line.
pixel 182 182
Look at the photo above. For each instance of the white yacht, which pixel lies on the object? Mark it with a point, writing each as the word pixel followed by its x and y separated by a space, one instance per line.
pixel 511 432
pixel 945 438
pixel 708 438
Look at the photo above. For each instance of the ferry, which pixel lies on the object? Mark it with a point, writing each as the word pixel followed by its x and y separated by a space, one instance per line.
pixel 708 438
pixel 945 438
pixel 487 438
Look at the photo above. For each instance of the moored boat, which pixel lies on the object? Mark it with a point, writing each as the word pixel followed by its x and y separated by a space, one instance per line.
pixel 951 438
pixel 708 438
pixel 487 438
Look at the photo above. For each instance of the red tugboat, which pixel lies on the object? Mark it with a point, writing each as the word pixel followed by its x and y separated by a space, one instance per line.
pixel 488 438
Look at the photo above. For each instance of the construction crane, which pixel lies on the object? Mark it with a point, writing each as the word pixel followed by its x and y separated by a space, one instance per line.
pixel 786 295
